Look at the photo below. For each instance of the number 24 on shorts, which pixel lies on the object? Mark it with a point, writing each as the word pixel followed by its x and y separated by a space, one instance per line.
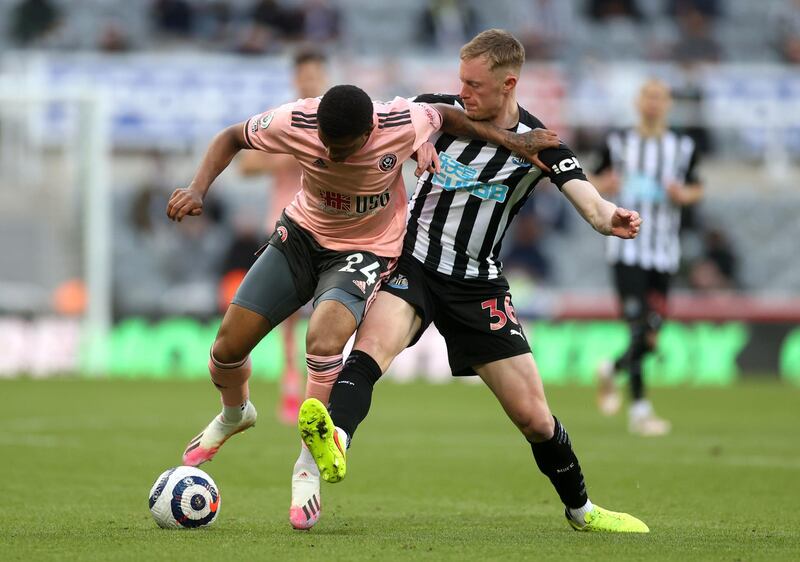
pixel 498 317
pixel 355 259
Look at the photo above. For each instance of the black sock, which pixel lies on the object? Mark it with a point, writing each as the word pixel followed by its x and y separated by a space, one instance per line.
pixel 556 459
pixel 352 394
pixel 637 384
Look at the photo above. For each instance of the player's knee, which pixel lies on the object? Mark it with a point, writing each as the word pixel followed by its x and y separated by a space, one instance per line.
pixel 227 352
pixel 534 425
pixel 377 347
pixel 325 342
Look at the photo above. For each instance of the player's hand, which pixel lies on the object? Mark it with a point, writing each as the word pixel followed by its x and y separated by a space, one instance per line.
pixel 677 193
pixel 184 201
pixel 427 159
pixel 536 140
pixel 625 223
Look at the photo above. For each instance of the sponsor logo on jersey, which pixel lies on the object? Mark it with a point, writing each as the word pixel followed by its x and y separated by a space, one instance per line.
pixel 336 203
pixel 455 175
pixel 282 232
pixel 361 285
pixel 399 281
pixel 519 160
pixel 254 126
pixel 266 120
pixel 514 332
pixel 387 162
pixel 566 165
pixel 319 163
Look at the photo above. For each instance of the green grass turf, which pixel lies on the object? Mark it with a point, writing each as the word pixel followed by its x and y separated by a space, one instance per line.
pixel 437 472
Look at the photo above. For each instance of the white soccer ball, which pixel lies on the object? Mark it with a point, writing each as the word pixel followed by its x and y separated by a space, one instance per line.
pixel 184 497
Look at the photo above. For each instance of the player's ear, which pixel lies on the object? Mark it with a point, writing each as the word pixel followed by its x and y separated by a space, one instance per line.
pixel 510 83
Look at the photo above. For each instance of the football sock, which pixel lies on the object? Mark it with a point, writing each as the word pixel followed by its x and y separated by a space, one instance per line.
pixel 637 384
pixel 322 373
pixel 577 514
pixel 233 414
pixel 305 461
pixel 641 409
pixel 352 394
pixel 556 460
pixel 231 380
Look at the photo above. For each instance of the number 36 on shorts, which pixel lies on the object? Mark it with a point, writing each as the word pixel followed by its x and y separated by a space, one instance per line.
pixel 498 317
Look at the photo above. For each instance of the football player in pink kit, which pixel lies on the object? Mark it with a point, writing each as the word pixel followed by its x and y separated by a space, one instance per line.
pixel 333 245
pixel 310 81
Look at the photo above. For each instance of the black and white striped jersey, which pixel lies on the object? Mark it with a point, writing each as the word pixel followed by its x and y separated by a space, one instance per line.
pixel 646 167
pixel 458 218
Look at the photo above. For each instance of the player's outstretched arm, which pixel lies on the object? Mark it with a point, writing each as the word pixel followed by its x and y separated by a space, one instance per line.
pixel 455 122
pixel 605 217
pixel 189 200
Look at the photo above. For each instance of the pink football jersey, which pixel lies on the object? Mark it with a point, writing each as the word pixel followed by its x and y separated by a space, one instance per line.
pixel 359 203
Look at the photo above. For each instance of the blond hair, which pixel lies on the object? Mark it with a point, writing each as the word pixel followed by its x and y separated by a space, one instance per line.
pixel 500 48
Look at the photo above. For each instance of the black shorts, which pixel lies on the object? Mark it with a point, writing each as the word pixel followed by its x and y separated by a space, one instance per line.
pixel 293 268
pixel 642 293
pixel 475 317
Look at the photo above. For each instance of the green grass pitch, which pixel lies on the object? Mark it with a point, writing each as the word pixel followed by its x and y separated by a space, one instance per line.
pixel 437 472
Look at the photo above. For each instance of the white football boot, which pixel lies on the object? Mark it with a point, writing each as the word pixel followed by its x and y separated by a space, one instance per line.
pixel 206 444
pixel 306 505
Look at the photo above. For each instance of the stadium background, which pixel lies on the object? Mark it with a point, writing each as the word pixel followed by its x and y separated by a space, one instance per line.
pixel 107 105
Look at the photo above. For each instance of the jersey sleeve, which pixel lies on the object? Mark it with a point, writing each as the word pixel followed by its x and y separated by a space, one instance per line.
pixel 563 164
pixel 426 121
pixel 692 176
pixel 449 99
pixel 271 131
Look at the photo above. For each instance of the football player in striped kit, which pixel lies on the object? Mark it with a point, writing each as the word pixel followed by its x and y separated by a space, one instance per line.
pixel 654 169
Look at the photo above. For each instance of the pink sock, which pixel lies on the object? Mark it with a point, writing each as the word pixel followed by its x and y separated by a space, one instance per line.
pixel 322 374
pixel 231 380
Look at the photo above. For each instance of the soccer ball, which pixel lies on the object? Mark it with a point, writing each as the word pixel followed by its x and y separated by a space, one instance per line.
pixel 184 497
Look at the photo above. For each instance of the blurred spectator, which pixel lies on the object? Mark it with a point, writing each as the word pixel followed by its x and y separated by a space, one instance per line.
pixel 213 21
pixel 708 8
pixel 113 38
pixel 786 20
pixel 173 17
pixel 32 20
pixel 320 21
pixel 716 269
pixel 696 43
pixel 546 212
pixel 602 10
pixel 526 254
pixel 447 24
pixel 269 25
pixel 543 27
pixel 271 14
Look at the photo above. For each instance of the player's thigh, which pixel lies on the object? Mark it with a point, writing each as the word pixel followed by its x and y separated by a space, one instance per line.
pixel 631 283
pixel 331 325
pixel 240 331
pixel 266 297
pixel 516 383
pixel 347 282
pixel 388 328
